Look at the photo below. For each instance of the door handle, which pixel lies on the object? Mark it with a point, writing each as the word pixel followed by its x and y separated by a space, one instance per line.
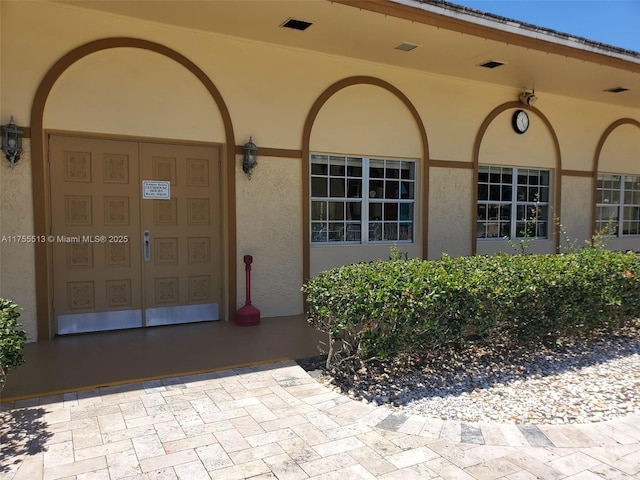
pixel 147 246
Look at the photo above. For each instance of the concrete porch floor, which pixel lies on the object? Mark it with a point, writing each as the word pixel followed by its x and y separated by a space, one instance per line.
pixel 78 362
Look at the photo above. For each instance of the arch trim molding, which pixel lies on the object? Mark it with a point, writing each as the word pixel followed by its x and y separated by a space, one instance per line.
pixel 40 169
pixel 306 140
pixel 476 159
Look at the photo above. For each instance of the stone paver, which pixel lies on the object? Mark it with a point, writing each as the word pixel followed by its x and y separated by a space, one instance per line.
pixel 276 422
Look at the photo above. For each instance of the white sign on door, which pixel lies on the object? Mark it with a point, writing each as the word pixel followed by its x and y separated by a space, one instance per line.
pixel 156 189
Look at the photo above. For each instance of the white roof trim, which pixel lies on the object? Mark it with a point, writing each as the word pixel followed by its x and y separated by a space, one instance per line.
pixel 523 29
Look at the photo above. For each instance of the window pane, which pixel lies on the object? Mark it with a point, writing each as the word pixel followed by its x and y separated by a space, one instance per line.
pixel 354 188
pixel 408 171
pixel 494 193
pixel 319 164
pixel 354 232
pixel 544 194
pixel 391 211
pixel 337 169
pixel 544 178
pixel 483 192
pixel 336 232
pixel 354 211
pixel 406 211
pixel 390 231
pixel 375 211
pixel 318 187
pixel 392 189
pixel 542 229
pixel 337 187
pixel 392 169
pixel 318 210
pixel 482 212
pixel 376 168
pixel 506 193
pixel 376 189
pixel 406 231
pixel 533 194
pixel 336 210
pixel 505 212
pixel 318 232
pixel 375 231
pixel 354 167
pixel 406 190
pixel 522 177
pixel 483 174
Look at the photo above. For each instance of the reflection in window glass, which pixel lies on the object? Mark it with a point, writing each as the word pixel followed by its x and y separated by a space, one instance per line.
pixel 513 202
pixel 343 187
pixel 618 204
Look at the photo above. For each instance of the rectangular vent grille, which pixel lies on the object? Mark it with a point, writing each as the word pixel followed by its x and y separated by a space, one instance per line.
pixel 491 64
pixel 406 47
pixel 616 89
pixel 296 24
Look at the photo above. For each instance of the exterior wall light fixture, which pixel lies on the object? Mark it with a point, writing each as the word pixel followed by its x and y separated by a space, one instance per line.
pixel 250 157
pixel 528 98
pixel 11 141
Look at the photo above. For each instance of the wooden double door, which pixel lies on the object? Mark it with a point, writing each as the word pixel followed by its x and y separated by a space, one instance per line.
pixel 120 258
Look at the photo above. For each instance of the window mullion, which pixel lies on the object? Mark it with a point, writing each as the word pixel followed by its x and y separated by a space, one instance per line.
pixel 620 226
pixel 364 223
pixel 514 203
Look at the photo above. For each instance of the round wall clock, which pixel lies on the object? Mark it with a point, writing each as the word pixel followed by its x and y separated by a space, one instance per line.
pixel 520 121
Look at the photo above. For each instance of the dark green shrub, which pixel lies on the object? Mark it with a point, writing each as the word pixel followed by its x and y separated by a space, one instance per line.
pixel 387 309
pixel 12 338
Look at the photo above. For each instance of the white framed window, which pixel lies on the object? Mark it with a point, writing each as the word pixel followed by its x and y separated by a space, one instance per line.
pixel 618 204
pixel 513 202
pixel 362 199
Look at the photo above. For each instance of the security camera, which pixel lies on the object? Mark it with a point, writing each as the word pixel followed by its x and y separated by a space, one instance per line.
pixel 528 98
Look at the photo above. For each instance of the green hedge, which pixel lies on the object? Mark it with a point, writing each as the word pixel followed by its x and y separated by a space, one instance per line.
pixel 385 309
pixel 12 338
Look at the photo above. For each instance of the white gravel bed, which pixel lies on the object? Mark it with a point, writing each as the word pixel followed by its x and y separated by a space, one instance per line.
pixel 580 381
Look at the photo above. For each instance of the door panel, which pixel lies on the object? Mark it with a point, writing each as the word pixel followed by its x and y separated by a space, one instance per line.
pixel 105 277
pixel 182 277
pixel 95 235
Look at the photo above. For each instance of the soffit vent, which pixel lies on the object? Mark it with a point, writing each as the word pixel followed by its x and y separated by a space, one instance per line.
pixel 616 89
pixel 406 47
pixel 491 64
pixel 296 24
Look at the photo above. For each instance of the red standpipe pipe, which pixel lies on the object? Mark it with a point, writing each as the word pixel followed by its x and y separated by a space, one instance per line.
pixel 248 315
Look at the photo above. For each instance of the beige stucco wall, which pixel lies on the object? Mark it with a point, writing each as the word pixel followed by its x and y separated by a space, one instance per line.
pixel 575 227
pixel 269 91
pixel 130 91
pixel 17 260
pixel 621 151
pixel 269 216
pixel 502 146
pixel 450 209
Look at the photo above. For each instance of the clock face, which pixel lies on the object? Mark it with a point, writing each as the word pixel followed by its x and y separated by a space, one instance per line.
pixel 520 121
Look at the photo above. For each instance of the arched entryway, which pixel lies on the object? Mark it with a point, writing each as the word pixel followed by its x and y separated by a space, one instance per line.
pixel 41 181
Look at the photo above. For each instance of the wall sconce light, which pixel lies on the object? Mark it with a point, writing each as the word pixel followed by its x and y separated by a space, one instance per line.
pixel 250 157
pixel 528 98
pixel 11 141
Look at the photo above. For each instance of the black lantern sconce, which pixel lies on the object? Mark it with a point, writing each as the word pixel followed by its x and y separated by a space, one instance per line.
pixel 249 157
pixel 11 142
